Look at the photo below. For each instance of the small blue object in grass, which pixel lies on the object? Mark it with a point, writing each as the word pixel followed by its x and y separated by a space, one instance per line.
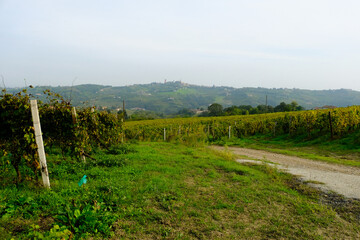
pixel 82 181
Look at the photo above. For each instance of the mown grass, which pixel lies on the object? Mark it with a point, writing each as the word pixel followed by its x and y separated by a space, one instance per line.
pixel 166 191
pixel 344 150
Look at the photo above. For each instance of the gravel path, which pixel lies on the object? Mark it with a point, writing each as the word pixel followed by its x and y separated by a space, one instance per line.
pixel 338 178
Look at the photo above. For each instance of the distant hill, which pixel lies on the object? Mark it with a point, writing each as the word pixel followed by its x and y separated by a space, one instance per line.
pixel 173 96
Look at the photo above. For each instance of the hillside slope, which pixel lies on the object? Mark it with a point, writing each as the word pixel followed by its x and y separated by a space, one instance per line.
pixel 173 96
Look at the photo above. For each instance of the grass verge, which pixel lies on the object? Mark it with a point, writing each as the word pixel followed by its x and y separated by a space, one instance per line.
pixel 345 151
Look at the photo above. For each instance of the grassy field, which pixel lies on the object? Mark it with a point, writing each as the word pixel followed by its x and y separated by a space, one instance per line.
pixel 168 191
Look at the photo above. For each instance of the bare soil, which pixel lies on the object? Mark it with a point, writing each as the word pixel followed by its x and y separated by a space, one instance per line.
pixel 341 179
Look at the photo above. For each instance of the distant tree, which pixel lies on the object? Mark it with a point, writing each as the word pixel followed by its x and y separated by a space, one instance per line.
pixel 254 111
pixel 246 107
pixel 262 108
pixel 122 113
pixel 299 108
pixel 215 109
pixel 233 110
pixel 296 107
pixel 270 109
pixel 185 112
pixel 283 107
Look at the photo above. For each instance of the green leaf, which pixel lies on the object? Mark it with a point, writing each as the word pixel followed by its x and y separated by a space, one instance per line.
pixel 77 213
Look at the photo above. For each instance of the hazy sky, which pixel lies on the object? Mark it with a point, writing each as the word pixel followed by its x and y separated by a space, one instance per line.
pixel 310 44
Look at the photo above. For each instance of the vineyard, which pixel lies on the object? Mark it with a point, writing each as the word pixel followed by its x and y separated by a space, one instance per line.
pixel 335 123
pixel 74 133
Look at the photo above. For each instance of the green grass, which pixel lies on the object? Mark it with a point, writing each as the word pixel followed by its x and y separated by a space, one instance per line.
pixel 167 191
pixel 345 150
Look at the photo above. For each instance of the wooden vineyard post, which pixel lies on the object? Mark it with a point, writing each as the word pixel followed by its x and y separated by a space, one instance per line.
pixel 74 118
pixel 93 114
pixel 73 115
pixel 40 143
pixel 290 125
pixel 331 127
pixel 229 132
pixel 164 134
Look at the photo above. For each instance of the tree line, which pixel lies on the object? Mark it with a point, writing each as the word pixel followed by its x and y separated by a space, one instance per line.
pixel 216 109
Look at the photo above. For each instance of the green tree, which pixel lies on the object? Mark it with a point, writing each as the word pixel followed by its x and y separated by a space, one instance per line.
pixel 283 107
pixel 215 109
pixel 233 110
pixel 296 106
pixel 123 114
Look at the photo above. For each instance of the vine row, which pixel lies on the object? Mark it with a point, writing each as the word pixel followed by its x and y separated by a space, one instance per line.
pixel 336 122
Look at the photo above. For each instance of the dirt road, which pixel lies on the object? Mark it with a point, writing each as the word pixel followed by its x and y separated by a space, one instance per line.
pixel 338 178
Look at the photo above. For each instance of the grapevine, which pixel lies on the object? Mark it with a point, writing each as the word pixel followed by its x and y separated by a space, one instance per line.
pixel 75 138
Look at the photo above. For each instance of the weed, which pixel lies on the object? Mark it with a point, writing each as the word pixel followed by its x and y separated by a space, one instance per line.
pixel 55 233
pixel 226 154
pixel 84 219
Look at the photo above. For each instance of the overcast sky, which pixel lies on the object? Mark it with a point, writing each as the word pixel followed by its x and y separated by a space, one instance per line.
pixel 308 44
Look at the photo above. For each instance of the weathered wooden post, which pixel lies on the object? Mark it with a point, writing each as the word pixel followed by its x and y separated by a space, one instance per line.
pixel 73 115
pixel 40 143
pixel 164 134
pixel 229 132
